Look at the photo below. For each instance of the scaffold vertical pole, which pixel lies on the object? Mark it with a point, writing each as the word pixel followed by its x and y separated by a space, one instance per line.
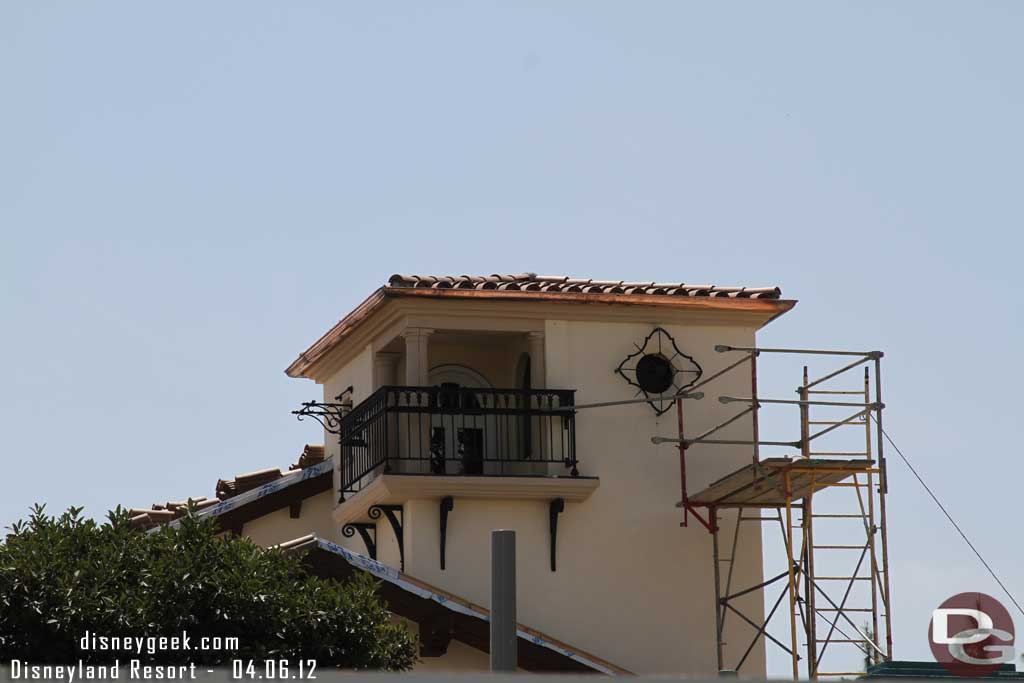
pixel 810 614
pixel 755 426
pixel 792 575
pixel 809 596
pixel 713 518
pixel 883 489
pixel 871 529
pixel 682 463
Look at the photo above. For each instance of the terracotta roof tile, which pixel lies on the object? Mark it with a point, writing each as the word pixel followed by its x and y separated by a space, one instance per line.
pixel 311 455
pixel 227 488
pixel 767 301
pixel 151 518
pixel 159 513
pixel 531 282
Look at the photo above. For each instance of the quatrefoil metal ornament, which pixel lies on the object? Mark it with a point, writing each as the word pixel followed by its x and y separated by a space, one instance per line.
pixel 659 369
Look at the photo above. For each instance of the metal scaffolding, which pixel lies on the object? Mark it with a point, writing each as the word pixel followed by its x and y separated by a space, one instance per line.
pixel 790 492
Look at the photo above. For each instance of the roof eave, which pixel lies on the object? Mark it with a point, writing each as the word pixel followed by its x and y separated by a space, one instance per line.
pixel 680 301
pixel 325 343
pixel 771 308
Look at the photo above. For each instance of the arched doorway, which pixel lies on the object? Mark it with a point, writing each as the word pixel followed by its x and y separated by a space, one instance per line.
pixel 462 441
pixel 458 375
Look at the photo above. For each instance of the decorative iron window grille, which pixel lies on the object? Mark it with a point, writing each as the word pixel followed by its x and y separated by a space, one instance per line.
pixel 659 369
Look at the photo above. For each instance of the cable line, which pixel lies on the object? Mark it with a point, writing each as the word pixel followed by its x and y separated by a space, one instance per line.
pixel 952 521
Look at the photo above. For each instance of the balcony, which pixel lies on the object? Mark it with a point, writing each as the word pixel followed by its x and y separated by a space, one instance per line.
pixel 456 431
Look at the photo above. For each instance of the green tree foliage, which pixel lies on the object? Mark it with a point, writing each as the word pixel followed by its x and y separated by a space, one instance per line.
pixel 63 576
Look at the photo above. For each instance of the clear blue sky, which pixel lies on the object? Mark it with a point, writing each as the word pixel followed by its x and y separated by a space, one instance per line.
pixel 190 193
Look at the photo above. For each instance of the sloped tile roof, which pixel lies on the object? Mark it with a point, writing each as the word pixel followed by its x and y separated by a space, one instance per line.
pixel 225 489
pixel 531 282
pixel 765 302
pixel 228 488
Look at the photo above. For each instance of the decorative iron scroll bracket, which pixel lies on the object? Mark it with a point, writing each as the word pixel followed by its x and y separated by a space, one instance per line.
pixel 555 508
pixel 327 414
pixel 364 529
pixel 447 504
pixel 389 511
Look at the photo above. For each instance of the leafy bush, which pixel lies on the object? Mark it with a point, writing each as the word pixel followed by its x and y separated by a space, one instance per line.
pixel 61 577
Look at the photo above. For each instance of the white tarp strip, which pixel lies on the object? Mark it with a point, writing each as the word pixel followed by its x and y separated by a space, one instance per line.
pixel 290 479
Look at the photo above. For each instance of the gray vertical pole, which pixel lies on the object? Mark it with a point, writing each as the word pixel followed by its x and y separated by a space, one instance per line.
pixel 719 608
pixel 503 601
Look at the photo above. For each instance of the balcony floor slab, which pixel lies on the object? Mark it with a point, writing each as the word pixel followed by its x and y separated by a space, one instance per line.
pixel 399 488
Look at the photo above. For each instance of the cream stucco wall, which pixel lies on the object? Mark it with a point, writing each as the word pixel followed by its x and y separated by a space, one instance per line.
pixel 632 586
pixel 278 526
pixel 358 374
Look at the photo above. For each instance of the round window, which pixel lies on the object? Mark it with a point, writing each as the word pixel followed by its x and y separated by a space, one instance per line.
pixel 654 373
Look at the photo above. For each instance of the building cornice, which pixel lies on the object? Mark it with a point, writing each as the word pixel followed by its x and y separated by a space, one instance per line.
pixel 462 303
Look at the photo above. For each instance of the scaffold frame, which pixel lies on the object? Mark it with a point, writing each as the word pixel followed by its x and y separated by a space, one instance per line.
pixel 777 489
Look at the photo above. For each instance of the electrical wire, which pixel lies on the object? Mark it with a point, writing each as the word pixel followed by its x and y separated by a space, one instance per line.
pixel 952 521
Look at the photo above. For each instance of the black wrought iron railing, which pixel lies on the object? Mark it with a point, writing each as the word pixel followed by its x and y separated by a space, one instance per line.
pixel 454 430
